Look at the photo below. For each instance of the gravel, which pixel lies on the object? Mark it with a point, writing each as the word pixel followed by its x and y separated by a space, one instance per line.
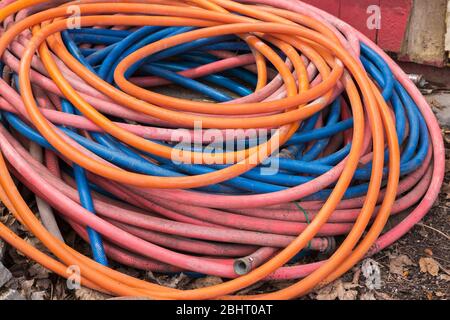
pixel 5 275
pixel 441 105
pixel 10 294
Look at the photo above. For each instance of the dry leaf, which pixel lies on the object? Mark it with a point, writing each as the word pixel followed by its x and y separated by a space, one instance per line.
pixel 43 284
pixel 398 264
pixel 429 295
pixel 38 295
pixel 27 286
pixel 60 291
pixel 368 296
pixel 444 277
pixel 328 293
pixel 176 281
pixel 38 272
pixel 88 294
pixel 207 282
pixel 338 290
pixel 348 295
pixel 383 296
pixel 429 265
pixel 356 276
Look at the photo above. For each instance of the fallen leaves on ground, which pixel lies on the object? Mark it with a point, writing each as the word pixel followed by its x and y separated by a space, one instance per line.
pixel 368 296
pixel 206 282
pixel 429 265
pixel 383 296
pixel 398 264
pixel 38 295
pixel 175 281
pixel 27 287
pixel 444 277
pixel 88 294
pixel 37 271
pixel 338 290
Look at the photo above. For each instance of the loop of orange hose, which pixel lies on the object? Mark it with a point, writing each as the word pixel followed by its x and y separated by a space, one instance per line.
pixel 125 136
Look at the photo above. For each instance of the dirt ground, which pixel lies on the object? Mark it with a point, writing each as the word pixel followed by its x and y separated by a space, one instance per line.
pixel 416 267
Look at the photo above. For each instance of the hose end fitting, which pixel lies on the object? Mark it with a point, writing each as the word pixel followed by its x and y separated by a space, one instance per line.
pixel 243 266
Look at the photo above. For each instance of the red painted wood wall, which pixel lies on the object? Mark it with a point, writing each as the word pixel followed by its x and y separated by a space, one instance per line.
pixel 394 18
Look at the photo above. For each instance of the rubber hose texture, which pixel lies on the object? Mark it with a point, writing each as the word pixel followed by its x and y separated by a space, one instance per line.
pixel 278 159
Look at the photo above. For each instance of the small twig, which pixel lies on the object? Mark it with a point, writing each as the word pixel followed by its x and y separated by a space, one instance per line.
pixel 431 228
pixel 441 259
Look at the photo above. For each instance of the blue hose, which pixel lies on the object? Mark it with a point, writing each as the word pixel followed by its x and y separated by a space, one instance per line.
pixel 305 165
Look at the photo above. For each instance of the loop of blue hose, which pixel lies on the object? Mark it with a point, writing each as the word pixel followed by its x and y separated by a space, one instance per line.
pixel 292 171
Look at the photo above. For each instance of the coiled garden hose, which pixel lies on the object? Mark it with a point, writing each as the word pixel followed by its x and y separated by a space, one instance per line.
pixel 193 185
